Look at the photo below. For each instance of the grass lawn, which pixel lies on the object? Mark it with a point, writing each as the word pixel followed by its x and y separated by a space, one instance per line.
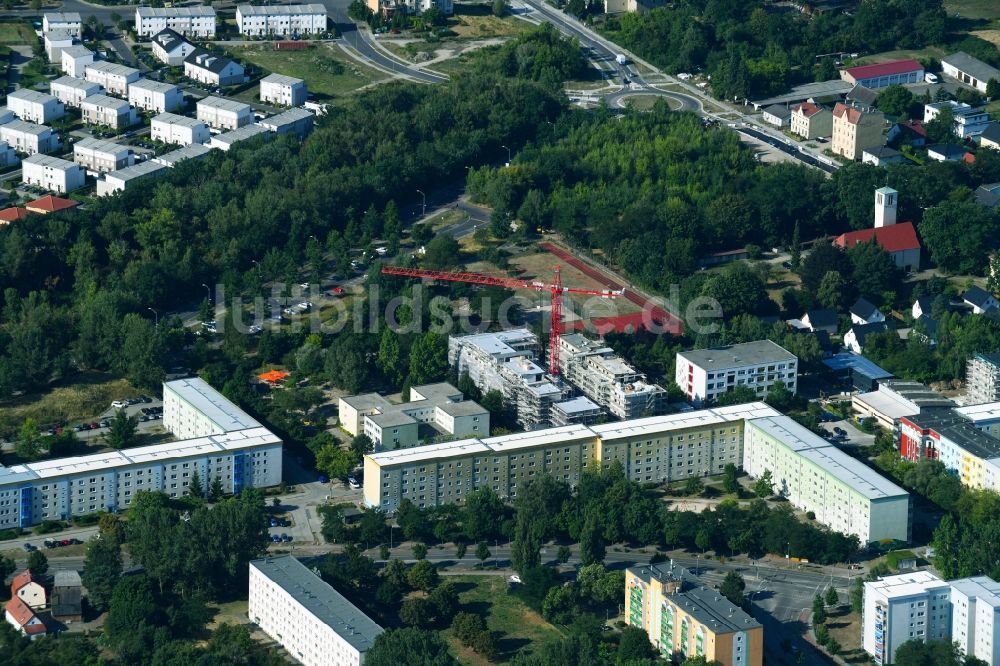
pixel 81 400
pixel 845 626
pixel 478 22
pixel 514 624
pixel 974 9
pixel 325 68
pixel 993 108
pixel 647 102
pixel 903 54
pixel 17 33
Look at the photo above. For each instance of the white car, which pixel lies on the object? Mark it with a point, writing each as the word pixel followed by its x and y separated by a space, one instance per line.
pixel 353 483
pixel 118 404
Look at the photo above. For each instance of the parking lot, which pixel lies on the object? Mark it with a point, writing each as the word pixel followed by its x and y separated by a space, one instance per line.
pixel 148 411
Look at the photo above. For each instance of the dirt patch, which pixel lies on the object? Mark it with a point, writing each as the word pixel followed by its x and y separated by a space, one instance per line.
pixel 541 266
pixel 83 399
pixel 992 36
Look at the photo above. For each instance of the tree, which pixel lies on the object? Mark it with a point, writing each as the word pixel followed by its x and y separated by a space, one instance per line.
pixel 195 488
pixel 832 598
pixel 29 441
pixel 634 647
pixel 499 7
pixel 834 291
pixel 857 595
pixel 38 564
pixel 895 101
pixel 7 567
pixel 442 253
pixel 822 259
pixel 422 576
pixel 482 552
pixel 874 270
pixel 444 599
pixel 736 396
pixel 460 549
pixel 729 481
pixel 942 128
pixel 795 247
pixel 419 551
pixel 916 652
pixel 779 397
pixel 428 358
pixel 559 605
pixel 362 445
pixel 216 490
pixel 335 462
pixel 992 89
pixel 133 613
pixel 764 487
pixel 417 612
pixel 732 588
pixel 102 569
pixel 122 430
pixel 482 514
pixel 693 487
pixel 591 539
pixel 563 554
pixel 409 647
pixel 819 610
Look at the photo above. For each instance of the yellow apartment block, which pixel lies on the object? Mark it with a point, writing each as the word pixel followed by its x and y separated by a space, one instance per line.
pixel 684 619
pixel 660 448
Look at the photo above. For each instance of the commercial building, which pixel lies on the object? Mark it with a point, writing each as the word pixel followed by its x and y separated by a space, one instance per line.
pixel 108 112
pixel 52 173
pixel 198 22
pixel 226 141
pixel 897 609
pixel 854 130
pixel 315 624
pixel 100 156
pixel 814 475
pixel 215 70
pixel 67 596
pixel 705 374
pixel 684 619
pixel 607 379
pixel 65 21
pixel 247 455
pixel 29 138
pixel 655 449
pixel 884 74
pixel 968 122
pixel 55 41
pixel 170 47
pixel 35 107
pixel 945 435
pixel 71 91
pixel 811 120
pixel 279 20
pixel 225 114
pixel 397 425
pixel 283 90
pixel 155 96
pixel 505 361
pixel 970 71
pixel 191 151
pixel 293 121
pixel 171 128
pixel 118 181
pixel 115 78
pixel 75 60
pixel 985 417
pixel 896 399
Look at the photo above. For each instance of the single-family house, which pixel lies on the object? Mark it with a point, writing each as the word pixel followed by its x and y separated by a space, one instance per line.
pixel 865 312
pixel 811 121
pixel 980 300
pixel 925 328
pixel 35 107
pixel 155 96
pixel 854 339
pixel 52 173
pixel 824 319
pixel 50 204
pixel 282 90
pixel 970 71
pixel 20 616
pixel 171 128
pixel 119 181
pixel 100 156
pixel 215 70
pixel 170 47
pixel 70 22
pixel 71 91
pixel 969 121
pixel 854 130
pixel 921 306
pixel 224 114
pixel 778 115
pixel 990 138
pixel 55 41
pixel 75 60
pixel 946 152
pixel 988 195
pixel 25 137
pixel 108 112
pixel 884 74
pixel 861 98
pixel 12 214
pixel 114 77
pixel 882 156
pixel 226 141
pixel 29 589
pixel 910 132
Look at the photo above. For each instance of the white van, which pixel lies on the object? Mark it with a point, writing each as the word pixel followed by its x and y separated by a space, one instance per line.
pixel 930 78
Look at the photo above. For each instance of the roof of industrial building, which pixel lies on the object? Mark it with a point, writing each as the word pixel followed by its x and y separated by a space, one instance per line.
pixel 197 393
pixel 733 356
pixel 884 69
pixel 857 363
pixel 853 473
pixel 978 69
pixel 320 600
pixel 819 89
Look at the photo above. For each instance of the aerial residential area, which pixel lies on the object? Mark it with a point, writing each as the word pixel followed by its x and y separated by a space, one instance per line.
pixel 395 332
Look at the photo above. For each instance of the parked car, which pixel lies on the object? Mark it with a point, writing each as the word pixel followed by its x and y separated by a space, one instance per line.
pixel 286 538
pixel 274 522
pixel 353 483
pixel 28 548
pixel 275 538
pixel 323 478
pixel 118 404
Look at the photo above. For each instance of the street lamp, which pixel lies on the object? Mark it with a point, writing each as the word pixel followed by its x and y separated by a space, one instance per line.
pixel 156 317
pixel 423 206
pixel 208 292
pixel 508 153
pixel 257 264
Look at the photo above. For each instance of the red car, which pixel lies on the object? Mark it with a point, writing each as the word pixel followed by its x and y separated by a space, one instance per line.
pixel 66 542
pixel 337 290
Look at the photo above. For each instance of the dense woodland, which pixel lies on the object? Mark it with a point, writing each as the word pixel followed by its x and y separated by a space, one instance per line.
pixel 754 50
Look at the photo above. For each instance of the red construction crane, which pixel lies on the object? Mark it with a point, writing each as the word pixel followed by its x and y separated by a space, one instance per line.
pixel 556 289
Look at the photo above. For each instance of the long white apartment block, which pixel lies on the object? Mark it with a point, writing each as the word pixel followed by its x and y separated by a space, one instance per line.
pixel 100 156
pixel 657 449
pixel 115 78
pixel 172 128
pixel 52 173
pixel 155 96
pixel 71 91
pixel 74 60
pixel 705 374
pixel 35 107
pixel 224 114
pixel 897 609
pixel 315 624
pixel 397 425
pixel 119 181
pixel 261 21
pixel 607 379
pixel 107 111
pixel 816 476
pixel 985 417
pixel 196 22
pixel 29 138
pixel 282 90
pixel 244 456
pixel 293 121
pixel 175 157
pixel 70 22
pixel 55 41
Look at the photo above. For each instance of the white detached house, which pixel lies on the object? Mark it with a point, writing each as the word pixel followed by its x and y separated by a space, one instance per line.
pixel 865 312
